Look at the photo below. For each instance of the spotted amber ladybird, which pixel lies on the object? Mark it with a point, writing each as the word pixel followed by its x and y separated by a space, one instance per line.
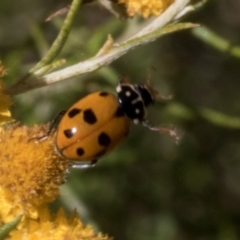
pixel 92 127
pixel 97 123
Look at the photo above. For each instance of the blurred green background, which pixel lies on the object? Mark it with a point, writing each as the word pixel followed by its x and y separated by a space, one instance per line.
pixel 149 187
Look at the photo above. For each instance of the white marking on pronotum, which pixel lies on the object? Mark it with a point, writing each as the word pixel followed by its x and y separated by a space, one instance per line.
pixel 118 88
pixel 128 93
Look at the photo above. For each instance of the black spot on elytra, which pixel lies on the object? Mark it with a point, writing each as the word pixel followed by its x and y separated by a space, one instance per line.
pixel 103 94
pixel 80 152
pixel 119 112
pixel 89 116
pixel 104 139
pixel 73 112
pixel 68 133
pixel 100 154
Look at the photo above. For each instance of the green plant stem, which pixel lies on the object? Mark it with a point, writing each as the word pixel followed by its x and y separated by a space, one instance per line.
pixel 39 39
pixel 8 227
pixel 216 41
pixel 209 115
pixel 61 38
pixel 94 62
pixel 160 26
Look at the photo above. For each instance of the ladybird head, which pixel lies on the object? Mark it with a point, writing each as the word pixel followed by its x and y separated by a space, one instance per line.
pixel 135 98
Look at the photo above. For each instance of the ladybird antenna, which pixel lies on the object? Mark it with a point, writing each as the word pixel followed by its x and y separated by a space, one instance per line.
pixel 50 129
pixel 153 91
pixel 149 86
pixel 164 97
pixel 173 133
pixel 149 75
pixel 122 79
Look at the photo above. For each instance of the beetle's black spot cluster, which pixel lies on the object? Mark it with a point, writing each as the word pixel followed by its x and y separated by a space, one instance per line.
pixel 94 115
pixel 103 94
pixel 104 139
pixel 68 133
pixel 89 116
pixel 80 152
pixel 73 112
pixel 119 112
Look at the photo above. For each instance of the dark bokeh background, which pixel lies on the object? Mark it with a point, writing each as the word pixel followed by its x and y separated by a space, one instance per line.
pixel 148 188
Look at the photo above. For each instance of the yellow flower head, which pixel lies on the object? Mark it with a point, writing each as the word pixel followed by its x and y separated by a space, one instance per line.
pixel 30 175
pixel 146 8
pixel 55 227
pixel 30 172
pixel 5 101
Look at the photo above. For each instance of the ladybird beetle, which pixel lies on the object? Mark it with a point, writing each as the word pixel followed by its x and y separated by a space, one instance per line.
pixel 135 98
pixel 97 123
pixel 91 128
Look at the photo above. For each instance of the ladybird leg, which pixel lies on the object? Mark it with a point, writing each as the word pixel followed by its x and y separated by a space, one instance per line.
pixel 174 133
pixel 149 75
pixel 66 176
pixel 163 97
pixel 55 121
pixel 154 92
pixel 84 165
pixel 51 127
